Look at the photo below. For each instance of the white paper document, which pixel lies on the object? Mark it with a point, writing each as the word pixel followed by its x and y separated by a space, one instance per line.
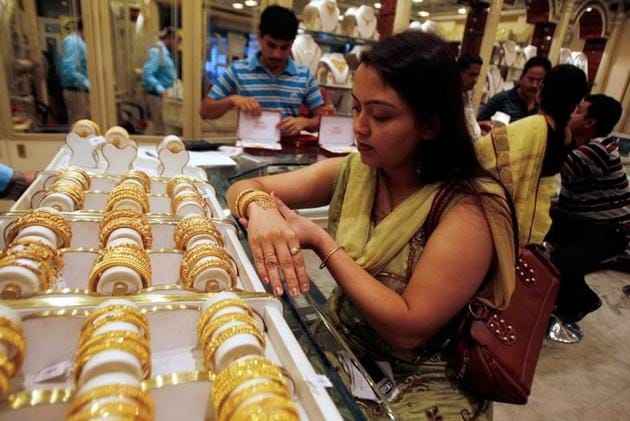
pixel 259 131
pixel 336 134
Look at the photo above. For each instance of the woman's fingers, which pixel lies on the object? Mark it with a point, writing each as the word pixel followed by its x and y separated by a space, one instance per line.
pixel 271 266
pixel 259 261
pixel 288 267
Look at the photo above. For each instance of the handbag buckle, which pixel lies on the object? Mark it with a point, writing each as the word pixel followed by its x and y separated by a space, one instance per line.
pixel 478 310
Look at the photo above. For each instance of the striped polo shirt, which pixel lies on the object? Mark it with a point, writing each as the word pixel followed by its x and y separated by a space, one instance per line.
pixel 594 183
pixel 285 93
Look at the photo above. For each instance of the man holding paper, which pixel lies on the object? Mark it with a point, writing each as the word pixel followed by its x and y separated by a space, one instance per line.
pixel 270 80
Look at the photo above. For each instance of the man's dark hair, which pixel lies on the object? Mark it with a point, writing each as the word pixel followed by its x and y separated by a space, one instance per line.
pixel 78 24
pixel 562 90
pixel 537 62
pixel 466 60
pixel 279 23
pixel 605 110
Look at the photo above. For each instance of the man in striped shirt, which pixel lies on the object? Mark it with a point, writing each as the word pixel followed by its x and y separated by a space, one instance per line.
pixel 269 81
pixel 590 223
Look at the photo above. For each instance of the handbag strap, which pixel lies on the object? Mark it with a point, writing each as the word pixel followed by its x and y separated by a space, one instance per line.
pixel 440 202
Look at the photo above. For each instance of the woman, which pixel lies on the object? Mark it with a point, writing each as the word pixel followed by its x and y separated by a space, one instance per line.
pixel 397 290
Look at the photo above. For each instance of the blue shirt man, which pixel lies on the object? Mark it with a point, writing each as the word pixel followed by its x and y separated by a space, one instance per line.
pixel 13 183
pixel 158 72
pixel 270 80
pixel 73 64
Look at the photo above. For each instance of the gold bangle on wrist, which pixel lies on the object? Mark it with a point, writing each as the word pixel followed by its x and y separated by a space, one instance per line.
pixel 233 401
pixel 260 198
pixel 322 265
pixel 173 182
pixel 140 176
pixel 192 226
pixel 237 202
pixel 128 191
pixel 44 218
pixel 216 342
pixel 209 312
pixel 125 218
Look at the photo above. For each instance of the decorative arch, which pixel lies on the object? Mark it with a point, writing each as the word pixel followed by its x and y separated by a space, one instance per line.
pixel 596 6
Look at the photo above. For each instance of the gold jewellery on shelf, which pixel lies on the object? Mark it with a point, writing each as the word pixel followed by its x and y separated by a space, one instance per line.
pixel 188 196
pixel 12 337
pixel 249 196
pixel 70 189
pixel 125 218
pixel 128 255
pixel 191 226
pixel 226 334
pixel 83 407
pixel 115 313
pixel 209 329
pixel 128 191
pixel 209 312
pixel 236 399
pixel 173 182
pixel 76 175
pixel 203 257
pixel 45 219
pixel 140 176
pixel 39 258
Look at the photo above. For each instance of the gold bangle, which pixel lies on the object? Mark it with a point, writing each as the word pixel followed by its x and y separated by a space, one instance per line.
pixel 170 185
pixel 77 175
pixel 270 408
pixel 192 265
pixel 140 176
pixel 322 265
pixel 201 251
pixel 188 278
pixel 43 273
pixel 216 342
pixel 15 340
pixel 87 341
pixel 127 255
pixel 232 402
pixel 240 196
pixel 209 312
pixel 128 192
pixel 192 226
pixel 40 249
pixel 5 385
pixel 7 368
pixel 262 199
pixel 125 218
pixel 70 189
pixel 88 329
pixel 112 311
pixel 123 390
pixel 138 351
pixel 191 196
pixel 46 219
pixel 117 410
pixel 211 327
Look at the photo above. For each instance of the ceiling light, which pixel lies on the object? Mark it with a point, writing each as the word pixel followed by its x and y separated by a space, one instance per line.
pixel 251 3
pixel 237 6
pixel 417 1
pixel 377 5
pixel 424 14
pixel 589 9
pixel 461 10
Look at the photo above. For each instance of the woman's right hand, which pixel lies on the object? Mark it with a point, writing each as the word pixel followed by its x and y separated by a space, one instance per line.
pixel 275 245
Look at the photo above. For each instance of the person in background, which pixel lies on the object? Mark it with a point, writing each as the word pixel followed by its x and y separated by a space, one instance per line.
pixel 270 80
pixel 74 76
pixel 398 286
pixel 158 74
pixel 14 183
pixel 469 68
pixel 591 221
pixel 520 101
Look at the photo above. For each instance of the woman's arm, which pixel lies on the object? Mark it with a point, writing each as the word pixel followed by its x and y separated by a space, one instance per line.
pixel 452 266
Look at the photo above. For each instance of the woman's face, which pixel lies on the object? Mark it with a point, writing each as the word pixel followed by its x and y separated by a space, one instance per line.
pixel 385 127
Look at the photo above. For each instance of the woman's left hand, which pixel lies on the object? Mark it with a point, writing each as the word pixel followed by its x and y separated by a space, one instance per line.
pixel 307 231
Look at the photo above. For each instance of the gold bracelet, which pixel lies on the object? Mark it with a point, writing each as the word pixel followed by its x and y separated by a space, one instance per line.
pixel 262 199
pixel 240 196
pixel 117 410
pixel 140 176
pixel 5 386
pixel 127 255
pixel 275 407
pixel 173 182
pixel 232 402
pixel 188 278
pixel 70 189
pixel 14 340
pixel 191 265
pixel 86 341
pixel 130 318
pixel 7 368
pixel 188 196
pixel 209 312
pixel 113 312
pixel 192 226
pixel 40 249
pixel 46 219
pixel 128 192
pixel 138 351
pixel 77 175
pixel 322 265
pixel 216 342
pixel 43 273
pixel 200 251
pixel 237 372
pixel 125 218
pixel 134 393
pixel 211 327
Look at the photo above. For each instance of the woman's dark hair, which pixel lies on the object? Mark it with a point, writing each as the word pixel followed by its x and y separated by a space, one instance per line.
pixel 562 90
pixel 279 23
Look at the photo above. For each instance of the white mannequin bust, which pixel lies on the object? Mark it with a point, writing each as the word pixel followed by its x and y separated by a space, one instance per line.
pixel 366 22
pixel 337 66
pixel 310 17
pixel 530 51
pixel 509 52
pixel 306 51
pixel 328 14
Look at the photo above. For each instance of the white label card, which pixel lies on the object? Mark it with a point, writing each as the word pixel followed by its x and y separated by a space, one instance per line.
pixel 336 134
pixel 54 371
pixel 259 131
pixel 319 380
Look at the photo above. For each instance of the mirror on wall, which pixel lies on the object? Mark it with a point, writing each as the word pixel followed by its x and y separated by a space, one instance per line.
pixel 45 64
pixel 146 39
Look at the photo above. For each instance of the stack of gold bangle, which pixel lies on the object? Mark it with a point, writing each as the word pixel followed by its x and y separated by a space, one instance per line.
pixel 128 255
pixel 202 257
pixel 118 401
pixel 125 218
pixel 140 176
pixel 188 196
pixel 249 196
pixel 76 175
pixel 192 226
pixel 127 191
pixel 70 189
pixel 45 219
pixel 270 387
pixel 12 337
pixel 115 313
pixel 173 182
pixel 43 260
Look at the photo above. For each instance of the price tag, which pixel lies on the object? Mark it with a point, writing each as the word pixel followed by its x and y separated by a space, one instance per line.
pixel 60 370
pixel 319 380
pixel 61 282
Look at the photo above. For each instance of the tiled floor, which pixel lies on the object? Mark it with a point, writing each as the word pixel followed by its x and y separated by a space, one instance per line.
pixel 584 381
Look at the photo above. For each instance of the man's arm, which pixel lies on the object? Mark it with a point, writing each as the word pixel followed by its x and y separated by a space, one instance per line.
pixel 222 98
pixel 150 67
pixel 315 103
pixel 490 108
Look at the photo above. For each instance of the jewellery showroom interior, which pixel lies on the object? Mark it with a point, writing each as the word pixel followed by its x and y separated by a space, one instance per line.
pixel 128 287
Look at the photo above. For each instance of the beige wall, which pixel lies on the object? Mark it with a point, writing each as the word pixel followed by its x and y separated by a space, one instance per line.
pixel 620 64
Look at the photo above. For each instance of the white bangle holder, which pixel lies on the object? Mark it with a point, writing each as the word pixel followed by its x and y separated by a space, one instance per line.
pixel 172 143
pixel 119 280
pixel 124 236
pixel 201 239
pixel 18 281
pixel 172 164
pixel 119 160
pixel 60 201
pixel 39 233
pixel 110 361
pixel 213 279
pixel 109 378
pixel 83 149
pixel 189 207
pixel 235 347
pixel 133 181
pixel 180 187
pixel 97 201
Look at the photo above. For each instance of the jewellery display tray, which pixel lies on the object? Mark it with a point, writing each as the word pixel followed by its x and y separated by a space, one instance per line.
pixel 180 388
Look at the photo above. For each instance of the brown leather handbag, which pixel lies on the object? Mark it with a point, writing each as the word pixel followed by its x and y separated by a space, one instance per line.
pixel 496 352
